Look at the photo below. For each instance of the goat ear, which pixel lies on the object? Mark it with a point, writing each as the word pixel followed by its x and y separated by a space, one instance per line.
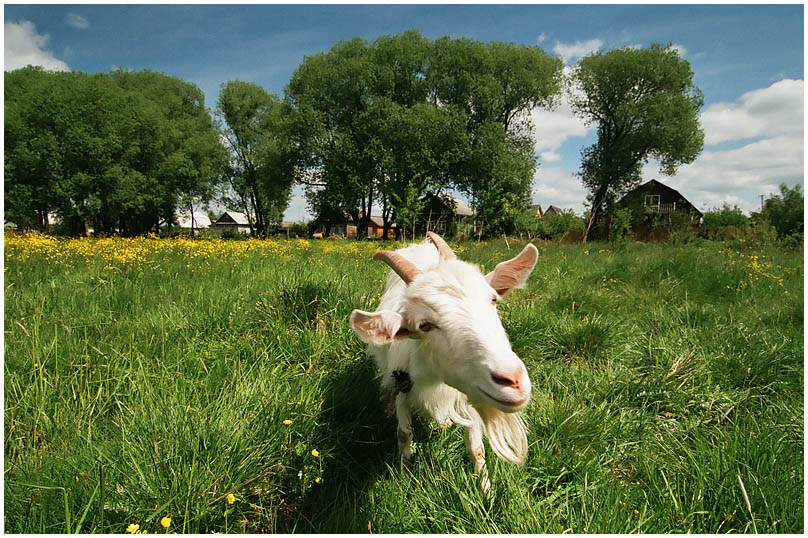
pixel 514 272
pixel 379 328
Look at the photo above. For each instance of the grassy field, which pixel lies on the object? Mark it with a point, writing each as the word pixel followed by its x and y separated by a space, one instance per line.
pixel 148 379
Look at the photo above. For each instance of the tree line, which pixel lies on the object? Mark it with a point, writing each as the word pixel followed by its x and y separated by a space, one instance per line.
pixel 363 125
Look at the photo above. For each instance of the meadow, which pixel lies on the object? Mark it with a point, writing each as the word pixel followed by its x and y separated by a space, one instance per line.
pixel 179 385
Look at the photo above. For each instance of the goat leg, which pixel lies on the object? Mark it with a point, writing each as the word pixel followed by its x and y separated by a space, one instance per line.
pixel 404 433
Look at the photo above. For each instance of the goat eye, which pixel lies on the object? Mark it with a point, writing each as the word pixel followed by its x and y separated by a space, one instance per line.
pixel 427 326
pixel 494 301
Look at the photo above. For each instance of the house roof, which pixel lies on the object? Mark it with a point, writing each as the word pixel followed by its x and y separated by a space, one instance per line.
pixel 657 186
pixel 233 217
pixel 201 220
pixel 378 221
pixel 459 206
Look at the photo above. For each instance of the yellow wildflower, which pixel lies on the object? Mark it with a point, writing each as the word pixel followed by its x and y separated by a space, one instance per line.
pixel 287 422
pixel 165 522
pixel 231 498
pixel 318 480
pixel 132 528
pixel 315 453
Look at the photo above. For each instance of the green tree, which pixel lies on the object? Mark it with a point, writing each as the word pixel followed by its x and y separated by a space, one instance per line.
pixel 496 85
pixel 785 211
pixel 645 106
pixel 332 91
pixel 264 158
pixel 115 150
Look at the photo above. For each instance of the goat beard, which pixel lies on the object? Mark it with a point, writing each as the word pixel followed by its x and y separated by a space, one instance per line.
pixel 506 433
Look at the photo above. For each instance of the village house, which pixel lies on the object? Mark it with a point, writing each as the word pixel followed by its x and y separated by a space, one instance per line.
pixel 195 222
pixel 231 222
pixel 445 215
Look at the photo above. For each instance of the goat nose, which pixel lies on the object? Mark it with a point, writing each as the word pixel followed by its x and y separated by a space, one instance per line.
pixel 506 380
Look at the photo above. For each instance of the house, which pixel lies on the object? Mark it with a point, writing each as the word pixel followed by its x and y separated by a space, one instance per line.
pixel 443 214
pixel 231 222
pixel 552 210
pixel 194 222
pixel 329 226
pixel 376 228
pixel 656 197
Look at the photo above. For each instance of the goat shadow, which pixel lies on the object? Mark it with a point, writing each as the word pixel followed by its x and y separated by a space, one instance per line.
pixel 362 448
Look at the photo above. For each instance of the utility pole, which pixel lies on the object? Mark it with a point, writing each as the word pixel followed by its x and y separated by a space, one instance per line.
pixel 761 203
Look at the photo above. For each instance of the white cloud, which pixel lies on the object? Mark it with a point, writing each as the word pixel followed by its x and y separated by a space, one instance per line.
pixel 776 110
pixel 23 46
pixel 77 21
pixel 554 127
pixel 542 38
pixel 570 52
pixel 553 185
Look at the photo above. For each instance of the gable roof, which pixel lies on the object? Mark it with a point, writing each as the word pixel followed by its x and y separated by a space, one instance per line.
pixel 658 187
pixel 378 221
pixel 458 206
pixel 233 217
pixel 201 220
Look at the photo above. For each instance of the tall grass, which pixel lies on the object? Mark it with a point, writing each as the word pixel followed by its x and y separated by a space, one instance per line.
pixel 148 379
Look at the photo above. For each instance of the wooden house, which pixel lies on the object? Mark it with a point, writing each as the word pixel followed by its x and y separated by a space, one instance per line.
pixel 656 197
pixel 443 214
pixel 376 228
pixel 231 222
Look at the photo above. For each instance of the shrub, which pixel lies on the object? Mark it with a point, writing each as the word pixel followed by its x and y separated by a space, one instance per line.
pixel 725 224
pixel 785 211
pixel 620 225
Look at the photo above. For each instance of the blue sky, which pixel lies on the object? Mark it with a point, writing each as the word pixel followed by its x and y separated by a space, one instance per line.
pixel 748 60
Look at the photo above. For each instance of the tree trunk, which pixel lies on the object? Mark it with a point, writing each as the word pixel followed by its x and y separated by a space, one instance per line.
pixel 597 201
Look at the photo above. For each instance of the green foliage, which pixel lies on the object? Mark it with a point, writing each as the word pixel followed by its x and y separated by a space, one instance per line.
pixel 403 116
pixel 118 151
pixel 260 133
pixel 645 106
pixel 664 378
pixel 785 211
pixel 550 226
pixel 620 226
pixel 725 223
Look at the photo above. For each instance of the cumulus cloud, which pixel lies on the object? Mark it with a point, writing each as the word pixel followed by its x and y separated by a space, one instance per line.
pixel 542 38
pixel 570 52
pixel 553 185
pixel 77 21
pixel 554 127
pixel 24 46
pixel 776 110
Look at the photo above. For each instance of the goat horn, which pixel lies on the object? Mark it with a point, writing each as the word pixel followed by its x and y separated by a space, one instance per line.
pixel 444 249
pixel 402 266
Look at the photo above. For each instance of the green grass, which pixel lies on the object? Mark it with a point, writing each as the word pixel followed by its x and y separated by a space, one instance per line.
pixel 668 389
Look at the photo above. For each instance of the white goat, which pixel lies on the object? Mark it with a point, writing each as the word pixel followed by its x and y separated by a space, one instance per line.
pixel 439 343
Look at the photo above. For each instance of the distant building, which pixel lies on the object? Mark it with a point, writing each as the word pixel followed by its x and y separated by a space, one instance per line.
pixel 194 222
pixel 232 222
pixel 342 226
pixel 656 197
pixel 376 228
pixel 443 214
pixel 552 210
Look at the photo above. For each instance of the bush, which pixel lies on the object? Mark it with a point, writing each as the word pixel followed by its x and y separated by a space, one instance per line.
pixel 550 226
pixel 785 211
pixel 725 224
pixel 620 226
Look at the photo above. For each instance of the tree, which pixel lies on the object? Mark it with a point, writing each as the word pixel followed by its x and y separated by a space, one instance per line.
pixel 116 150
pixel 785 211
pixel 645 106
pixel 332 91
pixel 496 85
pixel 404 116
pixel 263 156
